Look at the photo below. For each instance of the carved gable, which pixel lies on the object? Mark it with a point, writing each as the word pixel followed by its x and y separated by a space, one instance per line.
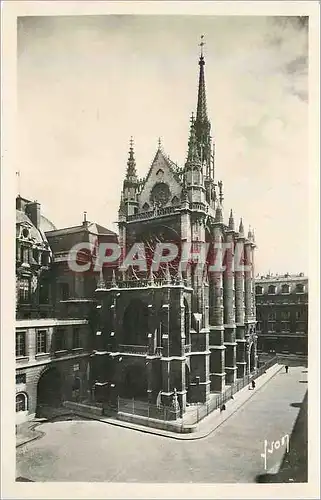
pixel 162 186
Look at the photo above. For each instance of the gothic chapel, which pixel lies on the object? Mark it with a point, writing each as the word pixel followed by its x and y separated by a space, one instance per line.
pixel 187 332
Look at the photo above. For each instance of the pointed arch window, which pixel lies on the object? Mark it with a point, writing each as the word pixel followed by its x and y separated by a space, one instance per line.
pixel 259 290
pixel 272 290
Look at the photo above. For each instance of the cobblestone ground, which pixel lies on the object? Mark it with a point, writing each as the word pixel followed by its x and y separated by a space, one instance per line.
pixel 83 450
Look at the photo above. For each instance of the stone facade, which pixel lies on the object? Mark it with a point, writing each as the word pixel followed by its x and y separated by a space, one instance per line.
pixel 182 326
pixel 53 312
pixel 282 313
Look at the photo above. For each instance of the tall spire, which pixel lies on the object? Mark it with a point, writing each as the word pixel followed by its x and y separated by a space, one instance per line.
pixel 131 163
pixel 202 124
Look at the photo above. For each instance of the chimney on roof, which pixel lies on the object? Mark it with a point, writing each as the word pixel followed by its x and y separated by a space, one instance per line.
pixel 85 222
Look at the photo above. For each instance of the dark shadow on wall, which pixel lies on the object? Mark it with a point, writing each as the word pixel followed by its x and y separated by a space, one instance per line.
pixel 294 466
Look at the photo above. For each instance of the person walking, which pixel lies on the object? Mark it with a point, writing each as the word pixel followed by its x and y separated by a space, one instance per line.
pixel 286 369
pixel 253 384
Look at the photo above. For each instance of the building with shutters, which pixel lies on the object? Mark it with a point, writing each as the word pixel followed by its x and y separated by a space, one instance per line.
pixel 282 313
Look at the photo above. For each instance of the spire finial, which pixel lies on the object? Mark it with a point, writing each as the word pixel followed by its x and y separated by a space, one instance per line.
pixel 18 180
pixel 131 164
pixel 220 187
pixel 202 43
pixel 85 217
pixel 159 143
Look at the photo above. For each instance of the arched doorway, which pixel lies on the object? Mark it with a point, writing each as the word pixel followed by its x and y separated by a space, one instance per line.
pixel 48 392
pixel 134 382
pixel 135 324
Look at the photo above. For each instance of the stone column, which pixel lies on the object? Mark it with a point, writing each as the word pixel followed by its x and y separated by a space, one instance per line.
pixel 240 307
pixel 216 337
pixel 229 311
pixel 250 320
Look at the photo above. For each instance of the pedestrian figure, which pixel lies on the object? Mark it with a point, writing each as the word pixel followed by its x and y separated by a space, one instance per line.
pixel 286 369
pixel 253 384
pixel 223 407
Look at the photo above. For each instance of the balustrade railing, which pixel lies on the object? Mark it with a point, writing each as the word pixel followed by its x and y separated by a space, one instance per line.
pixel 156 212
pixel 133 349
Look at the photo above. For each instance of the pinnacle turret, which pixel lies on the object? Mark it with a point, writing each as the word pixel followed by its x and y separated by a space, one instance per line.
pixel 218 214
pixel 241 228
pixel 131 163
pixel 231 224
pixel 192 155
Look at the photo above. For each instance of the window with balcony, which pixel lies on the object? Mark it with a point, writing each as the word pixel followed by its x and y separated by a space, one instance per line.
pixel 285 315
pixel 271 326
pixel 41 342
pixel 272 290
pixel 64 291
pixel 21 402
pixel 76 344
pixel 299 314
pixel 25 255
pixel 20 344
pixel 285 326
pixel 60 339
pixel 24 291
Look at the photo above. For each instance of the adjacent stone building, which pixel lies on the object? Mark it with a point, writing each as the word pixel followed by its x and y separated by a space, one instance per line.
pixel 282 313
pixel 53 313
pixel 183 328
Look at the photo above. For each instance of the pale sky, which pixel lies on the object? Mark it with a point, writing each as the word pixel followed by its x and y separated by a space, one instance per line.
pixel 86 84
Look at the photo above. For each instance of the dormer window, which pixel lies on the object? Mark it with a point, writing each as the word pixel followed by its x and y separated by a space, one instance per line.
pixel 285 288
pixel 145 207
pixel 299 288
pixel 272 290
pixel 25 232
pixel 175 201
pixel 259 290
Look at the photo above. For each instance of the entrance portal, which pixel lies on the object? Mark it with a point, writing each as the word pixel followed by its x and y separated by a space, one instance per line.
pixel 135 323
pixel 134 383
pixel 48 391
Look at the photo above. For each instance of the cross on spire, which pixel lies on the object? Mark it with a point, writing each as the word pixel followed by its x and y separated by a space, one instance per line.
pixel 202 43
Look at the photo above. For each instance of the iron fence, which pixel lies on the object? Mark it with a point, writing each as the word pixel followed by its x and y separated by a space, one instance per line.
pixel 194 412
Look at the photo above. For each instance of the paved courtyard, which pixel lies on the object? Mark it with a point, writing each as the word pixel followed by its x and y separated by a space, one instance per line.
pixel 83 450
